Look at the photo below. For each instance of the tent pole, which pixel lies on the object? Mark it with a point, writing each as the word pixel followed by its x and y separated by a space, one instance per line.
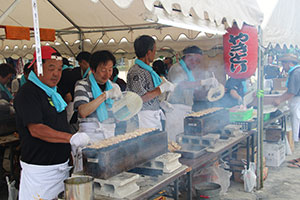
pixel 8 10
pixel 66 45
pixel 71 21
pixel 97 43
pixel 260 120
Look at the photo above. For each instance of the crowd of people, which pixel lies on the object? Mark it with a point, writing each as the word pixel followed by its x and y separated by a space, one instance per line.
pixel 48 108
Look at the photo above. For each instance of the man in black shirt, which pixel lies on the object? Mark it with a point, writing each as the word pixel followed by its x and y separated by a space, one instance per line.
pixel 44 131
pixel 234 93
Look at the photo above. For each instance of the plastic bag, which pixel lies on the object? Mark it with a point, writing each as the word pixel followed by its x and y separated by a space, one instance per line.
pixel 223 177
pixel 249 177
pixel 12 190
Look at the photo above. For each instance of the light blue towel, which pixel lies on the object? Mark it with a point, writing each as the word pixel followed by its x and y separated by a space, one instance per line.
pixel 3 88
pixel 289 72
pixel 57 100
pixel 96 91
pixel 156 79
pixel 22 80
pixel 187 71
pixel 66 67
pixel 86 72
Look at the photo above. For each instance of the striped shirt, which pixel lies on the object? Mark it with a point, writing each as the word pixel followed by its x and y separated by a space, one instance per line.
pixel 83 95
pixel 140 81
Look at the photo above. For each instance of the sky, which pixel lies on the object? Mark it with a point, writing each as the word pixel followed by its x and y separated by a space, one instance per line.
pixel 266 7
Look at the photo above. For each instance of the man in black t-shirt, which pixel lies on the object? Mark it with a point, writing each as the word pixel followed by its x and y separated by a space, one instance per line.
pixel 44 132
pixel 234 93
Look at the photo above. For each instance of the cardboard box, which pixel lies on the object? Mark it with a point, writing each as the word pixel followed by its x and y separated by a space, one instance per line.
pixel 242 153
pixel 237 166
pixel 273 134
pixel 274 153
pixel 279 84
pixel 289 135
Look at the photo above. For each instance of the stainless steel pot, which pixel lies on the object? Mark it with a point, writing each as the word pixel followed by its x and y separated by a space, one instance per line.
pixel 79 188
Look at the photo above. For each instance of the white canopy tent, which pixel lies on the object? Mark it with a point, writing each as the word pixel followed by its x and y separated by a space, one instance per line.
pixel 103 21
pixel 283 26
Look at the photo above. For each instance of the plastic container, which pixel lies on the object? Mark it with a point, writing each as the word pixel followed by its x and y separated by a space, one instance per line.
pixel 267 116
pixel 208 190
pixel 241 115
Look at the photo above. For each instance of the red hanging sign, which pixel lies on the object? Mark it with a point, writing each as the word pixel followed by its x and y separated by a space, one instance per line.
pixel 240 51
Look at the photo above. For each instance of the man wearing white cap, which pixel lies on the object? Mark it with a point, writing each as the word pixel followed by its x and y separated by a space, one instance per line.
pixel 290 64
pixel 182 98
pixel 44 131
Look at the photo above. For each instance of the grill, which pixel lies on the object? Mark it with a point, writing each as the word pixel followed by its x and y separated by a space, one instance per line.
pixel 123 152
pixel 206 121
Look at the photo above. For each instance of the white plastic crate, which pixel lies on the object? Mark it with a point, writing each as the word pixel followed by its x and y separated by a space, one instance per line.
pixel 274 153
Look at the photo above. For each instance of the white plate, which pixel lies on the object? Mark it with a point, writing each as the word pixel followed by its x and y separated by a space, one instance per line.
pixel 128 106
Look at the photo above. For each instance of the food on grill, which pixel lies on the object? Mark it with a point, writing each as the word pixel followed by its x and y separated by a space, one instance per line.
pixel 120 138
pixel 204 112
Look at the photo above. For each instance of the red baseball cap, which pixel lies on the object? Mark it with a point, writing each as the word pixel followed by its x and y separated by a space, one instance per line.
pixel 47 52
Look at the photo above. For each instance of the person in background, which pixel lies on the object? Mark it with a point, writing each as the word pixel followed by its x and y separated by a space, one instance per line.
pixel 144 81
pixel 44 131
pixel 83 59
pixel 18 82
pixel 290 63
pixel 6 72
pixel 96 93
pixel 181 99
pixel 66 86
pixel 114 78
pixel 234 93
pixel 169 62
pixel 160 68
pixel 271 70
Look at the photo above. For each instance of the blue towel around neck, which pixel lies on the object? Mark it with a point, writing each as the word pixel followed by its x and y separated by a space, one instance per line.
pixel 187 70
pixel 56 98
pixel 115 78
pixel 3 88
pixel 289 73
pixel 66 67
pixel 96 91
pixel 156 79
pixel 86 72
pixel 22 80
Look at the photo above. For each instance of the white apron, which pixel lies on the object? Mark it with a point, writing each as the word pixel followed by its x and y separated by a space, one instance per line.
pixel 175 120
pixel 294 105
pixel 42 181
pixel 150 119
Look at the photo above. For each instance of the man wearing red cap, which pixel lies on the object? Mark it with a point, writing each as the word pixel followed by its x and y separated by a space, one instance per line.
pixel 44 131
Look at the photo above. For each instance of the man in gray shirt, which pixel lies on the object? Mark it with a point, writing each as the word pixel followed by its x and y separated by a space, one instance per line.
pixel 290 64
pixel 144 81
